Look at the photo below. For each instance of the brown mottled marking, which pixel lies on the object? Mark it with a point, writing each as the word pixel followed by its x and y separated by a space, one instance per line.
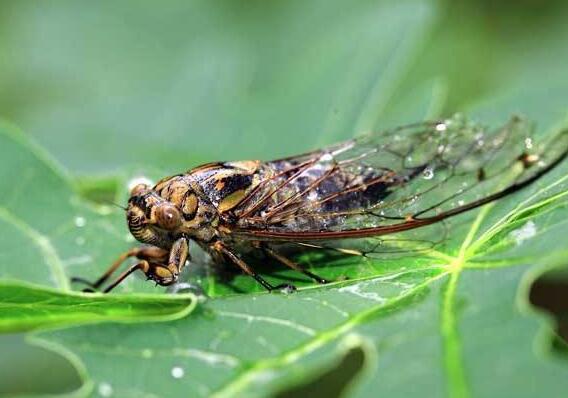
pixel 160 185
pixel 232 200
pixel 163 272
pixel 190 206
pixel 176 192
pixel 204 167
pixel 219 185
pixel 250 166
pixel 224 229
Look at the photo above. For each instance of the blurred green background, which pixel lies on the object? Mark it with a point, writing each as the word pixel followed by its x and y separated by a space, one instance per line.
pixel 119 88
pixel 202 80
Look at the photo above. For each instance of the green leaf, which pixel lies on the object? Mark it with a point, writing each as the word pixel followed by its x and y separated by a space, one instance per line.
pixel 447 326
pixel 24 307
pixel 409 313
pixel 50 233
pixel 254 84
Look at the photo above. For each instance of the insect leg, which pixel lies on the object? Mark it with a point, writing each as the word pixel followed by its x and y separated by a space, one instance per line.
pixel 150 253
pixel 289 263
pixel 143 265
pixel 219 247
pixel 178 256
pixel 159 273
pixel 163 275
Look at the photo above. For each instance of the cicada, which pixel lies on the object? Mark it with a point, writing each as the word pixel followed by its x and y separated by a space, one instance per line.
pixel 342 197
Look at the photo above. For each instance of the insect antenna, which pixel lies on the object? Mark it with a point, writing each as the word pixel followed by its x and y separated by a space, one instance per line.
pixel 109 202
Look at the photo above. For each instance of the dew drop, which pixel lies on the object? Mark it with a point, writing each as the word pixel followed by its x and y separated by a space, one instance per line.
pixel 286 290
pixel 105 389
pixel 177 372
pixel 441 127
pixel 461 202
pixel 528 143
pixel 428 173
pixel 527 231
pixel 480 142
pixel 80 222
pixel 313 196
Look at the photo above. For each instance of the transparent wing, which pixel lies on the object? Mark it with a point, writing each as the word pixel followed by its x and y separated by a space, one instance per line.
pixel 412 242
pixel 396 180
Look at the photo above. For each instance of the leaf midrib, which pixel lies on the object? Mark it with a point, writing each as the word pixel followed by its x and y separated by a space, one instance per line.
pixel 453 362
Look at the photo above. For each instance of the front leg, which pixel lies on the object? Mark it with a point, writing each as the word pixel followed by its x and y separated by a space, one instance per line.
pixel 160 273
pixel 149 253
pixel 179 254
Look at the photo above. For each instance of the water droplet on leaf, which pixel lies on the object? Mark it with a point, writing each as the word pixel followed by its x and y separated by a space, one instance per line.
pixel 105 389
pixel 80 222
pixel 527 231
pixel 428 173
pixel 177 372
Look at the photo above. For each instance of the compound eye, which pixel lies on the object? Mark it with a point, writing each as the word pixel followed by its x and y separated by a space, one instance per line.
pixel 139 189
pixel 168 216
